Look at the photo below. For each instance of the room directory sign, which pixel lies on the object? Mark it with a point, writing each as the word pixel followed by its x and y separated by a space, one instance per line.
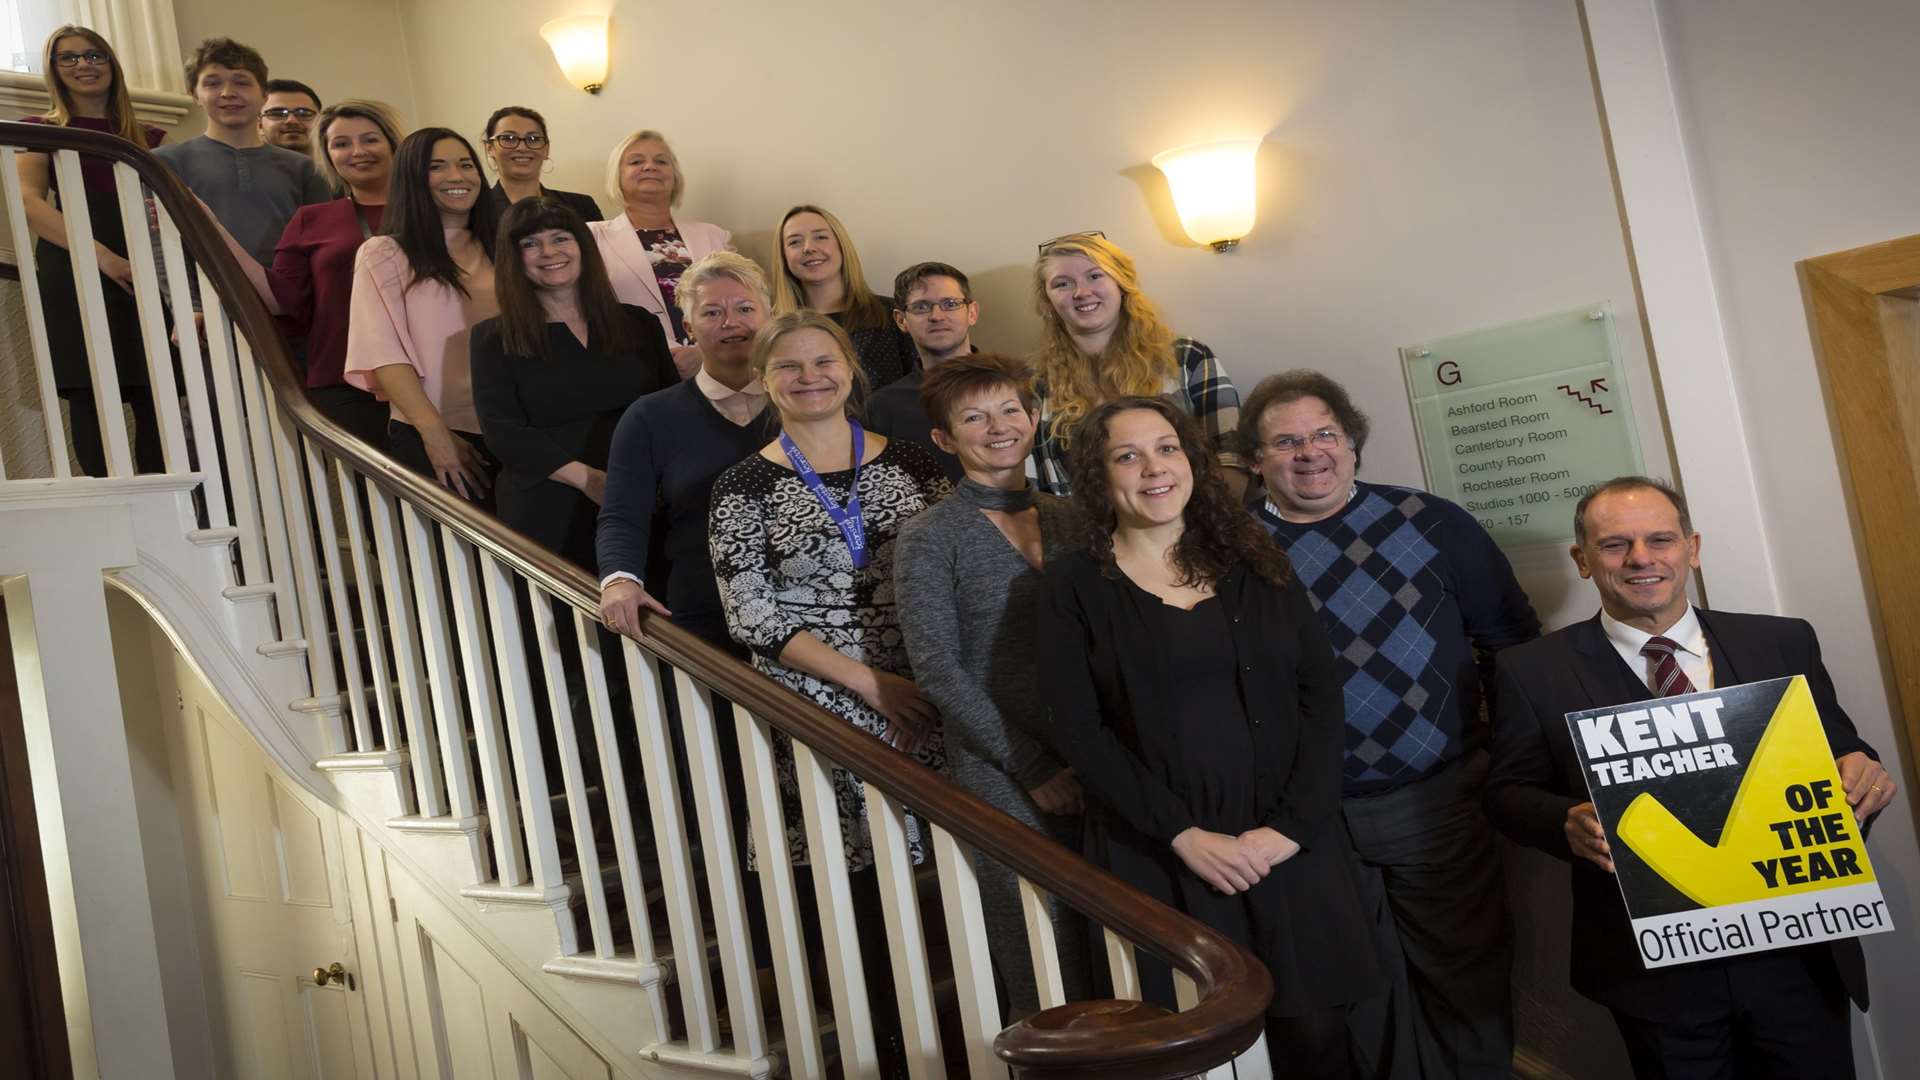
pixel 1517 422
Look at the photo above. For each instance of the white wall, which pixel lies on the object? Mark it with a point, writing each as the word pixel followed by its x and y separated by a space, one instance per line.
pixel 1800 131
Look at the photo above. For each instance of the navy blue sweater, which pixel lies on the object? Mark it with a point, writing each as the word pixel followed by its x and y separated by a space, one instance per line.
pixel 1407 586
pixel 667 451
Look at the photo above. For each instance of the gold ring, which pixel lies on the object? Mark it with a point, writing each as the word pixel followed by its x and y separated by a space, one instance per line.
pixel 1875 787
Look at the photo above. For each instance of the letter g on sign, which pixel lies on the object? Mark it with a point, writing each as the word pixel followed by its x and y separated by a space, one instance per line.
pixel 1448 373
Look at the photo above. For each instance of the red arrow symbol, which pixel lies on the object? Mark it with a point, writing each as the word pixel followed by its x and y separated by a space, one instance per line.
pixel 1596 386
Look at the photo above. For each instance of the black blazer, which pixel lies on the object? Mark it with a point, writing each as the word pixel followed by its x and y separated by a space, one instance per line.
pixel 583 205
pixel 1536 777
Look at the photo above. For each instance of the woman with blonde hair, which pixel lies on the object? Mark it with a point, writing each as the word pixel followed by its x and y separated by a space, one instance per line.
pixel 820 269
pixel 1105 340
pixel 645 246
pixel 88 89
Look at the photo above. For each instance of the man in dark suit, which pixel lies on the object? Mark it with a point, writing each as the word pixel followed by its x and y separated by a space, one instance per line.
pixel 1777 1013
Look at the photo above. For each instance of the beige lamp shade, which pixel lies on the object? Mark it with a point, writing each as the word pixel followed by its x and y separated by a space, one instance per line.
pixel 1212 189
pixel 579 44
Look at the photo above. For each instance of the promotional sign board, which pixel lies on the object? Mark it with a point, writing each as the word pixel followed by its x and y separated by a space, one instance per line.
pixel 1729 829
pixel 1516 423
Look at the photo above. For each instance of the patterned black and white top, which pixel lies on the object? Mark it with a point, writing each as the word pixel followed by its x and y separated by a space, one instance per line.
pixel 783 569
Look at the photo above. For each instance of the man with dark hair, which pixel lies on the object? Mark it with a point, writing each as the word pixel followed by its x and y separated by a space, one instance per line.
pixel 287 119
pixel 1776 1013
pixel 933 305
pixel 252 188
pixel 1415 598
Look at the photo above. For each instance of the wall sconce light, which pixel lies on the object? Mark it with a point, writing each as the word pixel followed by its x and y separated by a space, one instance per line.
pixel 579 44
pixel 1212 189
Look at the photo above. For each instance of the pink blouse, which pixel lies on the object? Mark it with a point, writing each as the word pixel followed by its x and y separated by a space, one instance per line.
pixel 426 325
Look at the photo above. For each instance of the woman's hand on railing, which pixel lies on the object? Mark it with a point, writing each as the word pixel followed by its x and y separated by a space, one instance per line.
pixel 1059 795
pixel 456 463
pixel 621 602
pixel 910 715
pixel 1269 844
pixel 1220 860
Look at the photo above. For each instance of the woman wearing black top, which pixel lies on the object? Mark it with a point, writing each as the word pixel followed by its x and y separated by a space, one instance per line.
pixel 518 149
pixel 820 269
pixel 1191 689
pixel 554 371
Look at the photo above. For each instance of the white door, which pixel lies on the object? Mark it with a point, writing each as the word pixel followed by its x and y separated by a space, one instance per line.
pixel 268 866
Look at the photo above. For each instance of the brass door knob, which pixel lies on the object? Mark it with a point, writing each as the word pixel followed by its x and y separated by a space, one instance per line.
pixel 336 973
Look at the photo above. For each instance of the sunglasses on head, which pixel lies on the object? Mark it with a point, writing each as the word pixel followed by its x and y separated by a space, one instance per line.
pixel 1048 245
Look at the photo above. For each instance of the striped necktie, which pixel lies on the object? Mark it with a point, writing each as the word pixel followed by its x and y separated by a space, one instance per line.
pixel 1667 679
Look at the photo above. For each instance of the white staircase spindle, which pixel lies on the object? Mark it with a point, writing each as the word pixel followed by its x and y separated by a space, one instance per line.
pixel 840 933
pixel 192 365
pixel 318 477
pixel 305 564
pixel 23 255
pixel 93 312
pixel 906 938
pixel 1124 965
pixel 523 733
pixel 723 870
pixel 787 937
pixel 686 927
pixel 1046 953
pixel 430 604
pixel 613 784
pixel 483 707
pixel 401 625
pixel 365 584
pixel 153 323
pixel 272 511
pixel 238 463
pixel 972 960
pixel 573 773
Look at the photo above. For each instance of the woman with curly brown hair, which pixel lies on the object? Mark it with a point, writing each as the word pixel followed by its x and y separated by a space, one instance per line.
pixel 1191 689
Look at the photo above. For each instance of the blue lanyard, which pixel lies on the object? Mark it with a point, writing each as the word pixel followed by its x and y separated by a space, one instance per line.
pixel 852 529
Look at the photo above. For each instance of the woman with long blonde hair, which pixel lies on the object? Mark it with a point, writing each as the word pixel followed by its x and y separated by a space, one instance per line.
pixel 88 89
pixel 820 269
pixel 1106 340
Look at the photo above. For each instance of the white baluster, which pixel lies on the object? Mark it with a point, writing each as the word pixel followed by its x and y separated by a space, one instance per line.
pixel 351 496
pixel 1124 966
pixel 93 312
pixel 322 493
pixel 192 365
pixel 423 556
pixel 238 463
pixel 153 322
pixel 798 1018
pixel 401 624
pixel 572 773
pixel 23 254
pixel 523 732
pixel 685 924
pixel 972 961
pixel 613 781
pixel 273 512
pixel 723 870
pixel 1186 996
pixel 483 707
pixel 906 939
pixel 1046 954
pixel 840 933
pixel 305 565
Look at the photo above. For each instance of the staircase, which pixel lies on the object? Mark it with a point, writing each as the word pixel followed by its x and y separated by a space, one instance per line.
pixel 446 683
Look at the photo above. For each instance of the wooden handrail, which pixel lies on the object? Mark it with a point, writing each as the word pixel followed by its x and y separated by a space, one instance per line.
pixel 1234 988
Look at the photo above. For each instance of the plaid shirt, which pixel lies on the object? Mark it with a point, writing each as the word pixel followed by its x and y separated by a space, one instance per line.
pixel 1202 387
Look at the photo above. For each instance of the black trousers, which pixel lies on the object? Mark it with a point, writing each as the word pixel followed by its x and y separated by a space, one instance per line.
pixel 406 446
pixel 362 414
pixel 89 443
pixel 1779 1014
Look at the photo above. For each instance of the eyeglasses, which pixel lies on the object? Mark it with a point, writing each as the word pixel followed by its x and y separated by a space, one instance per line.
pixel 510 140
pixel 949 304
pixel 1048 245
pixel 1324 439
pixel 73 59
pixel 279 113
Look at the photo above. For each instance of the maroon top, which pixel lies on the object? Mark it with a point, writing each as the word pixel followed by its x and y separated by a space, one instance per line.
pixel 98 172
pixel 312 279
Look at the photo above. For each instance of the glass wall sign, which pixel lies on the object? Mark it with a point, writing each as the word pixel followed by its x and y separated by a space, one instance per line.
pixel 1518 422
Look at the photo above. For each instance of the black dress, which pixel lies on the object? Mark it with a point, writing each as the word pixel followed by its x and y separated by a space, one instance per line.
pixel 1226 717
pixel 538 415
pixel 885 351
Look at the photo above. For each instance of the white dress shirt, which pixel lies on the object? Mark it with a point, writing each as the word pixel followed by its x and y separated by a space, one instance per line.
pixel 739 406
pixel 1686 633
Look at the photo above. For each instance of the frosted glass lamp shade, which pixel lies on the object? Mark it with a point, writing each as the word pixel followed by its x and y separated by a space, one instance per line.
pixel 1212 189
pixel 579 44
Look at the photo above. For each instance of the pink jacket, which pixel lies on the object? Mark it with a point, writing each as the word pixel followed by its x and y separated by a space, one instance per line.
pixel 631 270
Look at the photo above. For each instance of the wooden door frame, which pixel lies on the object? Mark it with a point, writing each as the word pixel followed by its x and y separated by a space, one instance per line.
pixel 1863 308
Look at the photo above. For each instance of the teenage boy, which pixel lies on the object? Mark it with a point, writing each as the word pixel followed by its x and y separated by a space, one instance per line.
pixel 251 187
pixel 934 305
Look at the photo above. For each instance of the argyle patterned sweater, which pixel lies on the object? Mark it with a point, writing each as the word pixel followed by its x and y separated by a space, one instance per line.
pixel 1408 586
